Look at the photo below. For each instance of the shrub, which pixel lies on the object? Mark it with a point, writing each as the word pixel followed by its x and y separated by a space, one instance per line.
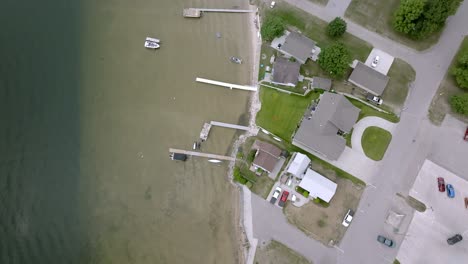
pixel 272 27
pixel 251 156
pixel 336 27
pixel 335 59
pixel 460 72
pixel 238 177
pixel 320 202
pixel 459 103
pixel 249 184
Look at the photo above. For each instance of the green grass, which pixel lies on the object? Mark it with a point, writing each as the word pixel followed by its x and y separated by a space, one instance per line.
pixel 375 141
pixel 280 113
pixel 396 261
pixel 401 75
pixel 276 252
pixel 369 111
pixel 315 29
pixel 440 105
pixel 377 16
pixel 263 186
pixel 348 138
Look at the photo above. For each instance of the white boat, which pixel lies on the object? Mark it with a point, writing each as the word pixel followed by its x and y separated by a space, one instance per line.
pixel 214 161
pixel 153 40
pixel 151 45
pixel 236 60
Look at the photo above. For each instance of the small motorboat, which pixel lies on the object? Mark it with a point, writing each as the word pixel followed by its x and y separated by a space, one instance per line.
pixel 153 40
pixel 178 156
pixel 196 145
pixel 151 45
pixel 236 60
pixel 214 161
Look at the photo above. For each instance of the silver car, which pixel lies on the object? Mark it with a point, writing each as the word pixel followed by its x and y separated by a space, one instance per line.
pixel 275 195
pixel 348 218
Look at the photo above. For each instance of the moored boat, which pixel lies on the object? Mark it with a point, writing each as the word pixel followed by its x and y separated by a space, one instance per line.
pixel 214 161
pixel 153 40
pixel 151 45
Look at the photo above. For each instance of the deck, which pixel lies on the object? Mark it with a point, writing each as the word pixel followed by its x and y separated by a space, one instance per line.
pixel 200 154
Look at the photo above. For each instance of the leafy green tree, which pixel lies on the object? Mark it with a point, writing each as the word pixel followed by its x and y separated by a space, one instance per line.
pixel 459 103
pixel 335 59
pixel 272 27
pixel 407 15
pixel 336 28
pixel 460 72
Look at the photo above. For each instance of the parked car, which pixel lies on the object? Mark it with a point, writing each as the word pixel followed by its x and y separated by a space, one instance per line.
pixel 275 195
pixel 450 191
pixel 455 239
pixel 289 182
pixel 348 218
pixel 272 4
pixel 386 241
pixel 441 184
pixel 375 61
pixel 374 99
pixel 284 198
pixel 466 135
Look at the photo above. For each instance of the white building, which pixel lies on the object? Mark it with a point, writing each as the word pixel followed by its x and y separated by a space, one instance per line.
pixel 299 165
pixel 318 186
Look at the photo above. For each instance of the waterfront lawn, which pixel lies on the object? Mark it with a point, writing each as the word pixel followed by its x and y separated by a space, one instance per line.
pixel 375 141
pixel 440 105
pixel 401 76
pixel 281 113
pixel 265 56
pixel 377 16
pixel 315 29
pixel 275 252
pixel 369 111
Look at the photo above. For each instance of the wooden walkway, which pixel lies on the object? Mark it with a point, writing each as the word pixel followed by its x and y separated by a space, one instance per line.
pixel 200 154
pixel 228 85
pixel 221 124
pixel 197 12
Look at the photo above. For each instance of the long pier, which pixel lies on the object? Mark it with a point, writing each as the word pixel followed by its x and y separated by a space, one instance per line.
pixel 200 154
pixel 228 85
pixel 197 12
pixel 221 124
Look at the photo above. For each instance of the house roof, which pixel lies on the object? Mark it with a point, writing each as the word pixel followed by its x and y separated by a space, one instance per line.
pixel 318 186
pixel 285 71
pixel 298 46
pixel 267 156
pixel 299 165
pixel 368 79
pixel 319 132
pixel 321 83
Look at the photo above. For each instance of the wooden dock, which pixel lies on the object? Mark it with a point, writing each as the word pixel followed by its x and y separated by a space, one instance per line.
pixel 197 12
pixel 205 131
pixel 221 124
pixel 200 154
pixel 228 85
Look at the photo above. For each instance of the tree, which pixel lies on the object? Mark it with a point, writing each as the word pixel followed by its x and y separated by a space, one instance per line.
pixel 272 27
pixel 335 59
pixel 336 28
pixel 407 15
pixel 459 103
pixel 460 72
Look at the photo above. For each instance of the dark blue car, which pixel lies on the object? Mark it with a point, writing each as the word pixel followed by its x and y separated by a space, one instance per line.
pixel 450 191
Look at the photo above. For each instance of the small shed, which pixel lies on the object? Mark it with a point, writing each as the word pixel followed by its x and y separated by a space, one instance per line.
pixel 318 186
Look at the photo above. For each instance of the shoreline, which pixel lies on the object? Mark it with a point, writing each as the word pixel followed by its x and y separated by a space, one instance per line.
pixel 248 242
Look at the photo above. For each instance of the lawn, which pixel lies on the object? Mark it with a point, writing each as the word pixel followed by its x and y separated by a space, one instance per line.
pixel 401 76
pixel 315 29
pixel 377 16
pixel 440 105
pixel 369 111
pixel 375 141
pixel 281 113
pixel 275 252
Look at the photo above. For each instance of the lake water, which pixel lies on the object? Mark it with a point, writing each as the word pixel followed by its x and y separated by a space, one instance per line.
pixel 87 117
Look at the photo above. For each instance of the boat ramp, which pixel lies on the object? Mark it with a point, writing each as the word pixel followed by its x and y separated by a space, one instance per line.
pixel 197 12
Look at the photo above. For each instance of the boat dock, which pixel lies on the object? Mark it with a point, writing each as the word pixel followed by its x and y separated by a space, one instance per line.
pixel 228 85
pixel 221 124
pixel 205 131
pixel 197 12
pixel 200 154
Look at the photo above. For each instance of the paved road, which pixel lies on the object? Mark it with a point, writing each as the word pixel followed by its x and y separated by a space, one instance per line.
pixel 411 142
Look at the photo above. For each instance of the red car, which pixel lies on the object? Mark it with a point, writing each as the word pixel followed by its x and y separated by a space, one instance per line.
pixel 466 135
pixel 441 184
pixel 284 198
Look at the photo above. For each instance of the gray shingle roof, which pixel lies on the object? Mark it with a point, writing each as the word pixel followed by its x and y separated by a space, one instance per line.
pixel 298 46
pixel 321 83
pixel 368 79
pixel 319 133
pixel 267 156
pixel 285 71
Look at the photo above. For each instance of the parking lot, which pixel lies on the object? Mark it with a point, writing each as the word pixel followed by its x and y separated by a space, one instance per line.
pixel 426 239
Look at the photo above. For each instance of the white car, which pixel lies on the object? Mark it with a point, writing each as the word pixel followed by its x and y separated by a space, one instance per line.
pixel 374 99
pixel 272 4
pixel 275 195
pixel 375 61
pixel 348 218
